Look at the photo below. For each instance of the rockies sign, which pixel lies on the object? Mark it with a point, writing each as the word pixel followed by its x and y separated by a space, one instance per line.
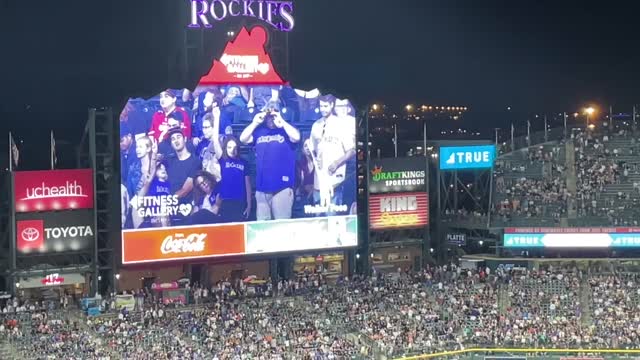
pixel 51 232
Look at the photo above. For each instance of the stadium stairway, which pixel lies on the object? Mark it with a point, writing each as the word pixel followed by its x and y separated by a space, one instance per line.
pixel 586 318
pixel 570 165
pixel 7 351
pixel 504 300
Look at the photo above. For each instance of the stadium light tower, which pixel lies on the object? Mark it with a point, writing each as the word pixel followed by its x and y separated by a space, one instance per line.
pixel 409 108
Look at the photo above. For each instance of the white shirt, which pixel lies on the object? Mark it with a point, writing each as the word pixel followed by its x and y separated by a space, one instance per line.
pixel 331 138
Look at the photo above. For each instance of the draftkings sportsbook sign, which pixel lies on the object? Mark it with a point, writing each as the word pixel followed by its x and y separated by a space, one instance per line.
pixel 395 175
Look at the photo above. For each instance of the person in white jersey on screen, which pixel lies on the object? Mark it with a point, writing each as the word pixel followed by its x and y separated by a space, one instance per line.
pixel 332 145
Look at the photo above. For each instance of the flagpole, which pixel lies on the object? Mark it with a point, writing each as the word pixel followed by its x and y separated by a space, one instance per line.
pixel 528 132
pixel 512 140
pixel 52 150
pixel 564 115
pixel 546 135
pixel 10 152
pixel 395 139
pixel 611 118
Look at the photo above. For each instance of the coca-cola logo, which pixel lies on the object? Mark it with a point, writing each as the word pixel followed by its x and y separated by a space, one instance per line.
pixel 181 243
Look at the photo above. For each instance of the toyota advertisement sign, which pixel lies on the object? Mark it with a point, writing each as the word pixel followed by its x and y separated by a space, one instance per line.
pixel 52 190
pixel 54 232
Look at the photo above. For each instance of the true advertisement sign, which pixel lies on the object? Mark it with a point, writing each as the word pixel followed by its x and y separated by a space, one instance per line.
pixel 467 157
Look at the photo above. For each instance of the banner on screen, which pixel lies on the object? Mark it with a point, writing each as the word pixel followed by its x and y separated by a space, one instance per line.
pixel 396 211
pixel 50 190
pixel 625 237
pixel 195 242
pixel 467 157
pixel 50 232
pixel 238 149
pixel 244 61
pixel 398 175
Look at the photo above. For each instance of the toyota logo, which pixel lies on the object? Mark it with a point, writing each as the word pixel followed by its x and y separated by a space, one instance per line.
pixel 30 234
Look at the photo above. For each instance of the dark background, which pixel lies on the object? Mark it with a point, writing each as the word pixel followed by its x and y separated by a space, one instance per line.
pixel 60 57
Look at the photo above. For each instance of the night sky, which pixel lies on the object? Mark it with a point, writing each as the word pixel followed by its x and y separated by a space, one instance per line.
pixel 61 57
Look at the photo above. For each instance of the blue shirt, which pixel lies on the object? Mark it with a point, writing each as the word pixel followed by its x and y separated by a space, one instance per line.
pixel 159 188
pixel 275 159
pixel 233 185
pixel 202 147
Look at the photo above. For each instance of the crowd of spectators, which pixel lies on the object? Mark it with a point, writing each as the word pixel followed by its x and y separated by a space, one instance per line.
pixel 616 309
pixel 402 313
pixel 533 183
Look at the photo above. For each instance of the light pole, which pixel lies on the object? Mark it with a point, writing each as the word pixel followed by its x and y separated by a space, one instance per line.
pixel 589 111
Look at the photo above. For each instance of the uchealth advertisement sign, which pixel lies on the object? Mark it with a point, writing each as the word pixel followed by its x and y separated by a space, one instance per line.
pixel 596 237
pixel 52 190
pixel 54 231
pixel 396 211
pixel 395 175
pixel 197 242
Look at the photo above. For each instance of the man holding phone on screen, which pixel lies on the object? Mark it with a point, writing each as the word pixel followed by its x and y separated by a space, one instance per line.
pixel 332 145
pixel 275 142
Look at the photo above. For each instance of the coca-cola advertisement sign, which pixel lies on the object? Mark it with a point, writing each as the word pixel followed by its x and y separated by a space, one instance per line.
pixel 52 190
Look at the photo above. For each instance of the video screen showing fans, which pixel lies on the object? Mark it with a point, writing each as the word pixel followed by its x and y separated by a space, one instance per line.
pixel 235 154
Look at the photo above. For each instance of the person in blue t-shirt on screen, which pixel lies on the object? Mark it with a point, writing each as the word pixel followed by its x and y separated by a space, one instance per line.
pixel 234 191
pixel 275 143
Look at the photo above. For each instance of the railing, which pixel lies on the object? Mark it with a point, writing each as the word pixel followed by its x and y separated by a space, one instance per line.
pixel 537 138
pixel 527 353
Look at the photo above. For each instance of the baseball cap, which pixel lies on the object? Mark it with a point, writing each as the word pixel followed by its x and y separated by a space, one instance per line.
pixel 174 131
pixel 169 92
pixel 176 116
